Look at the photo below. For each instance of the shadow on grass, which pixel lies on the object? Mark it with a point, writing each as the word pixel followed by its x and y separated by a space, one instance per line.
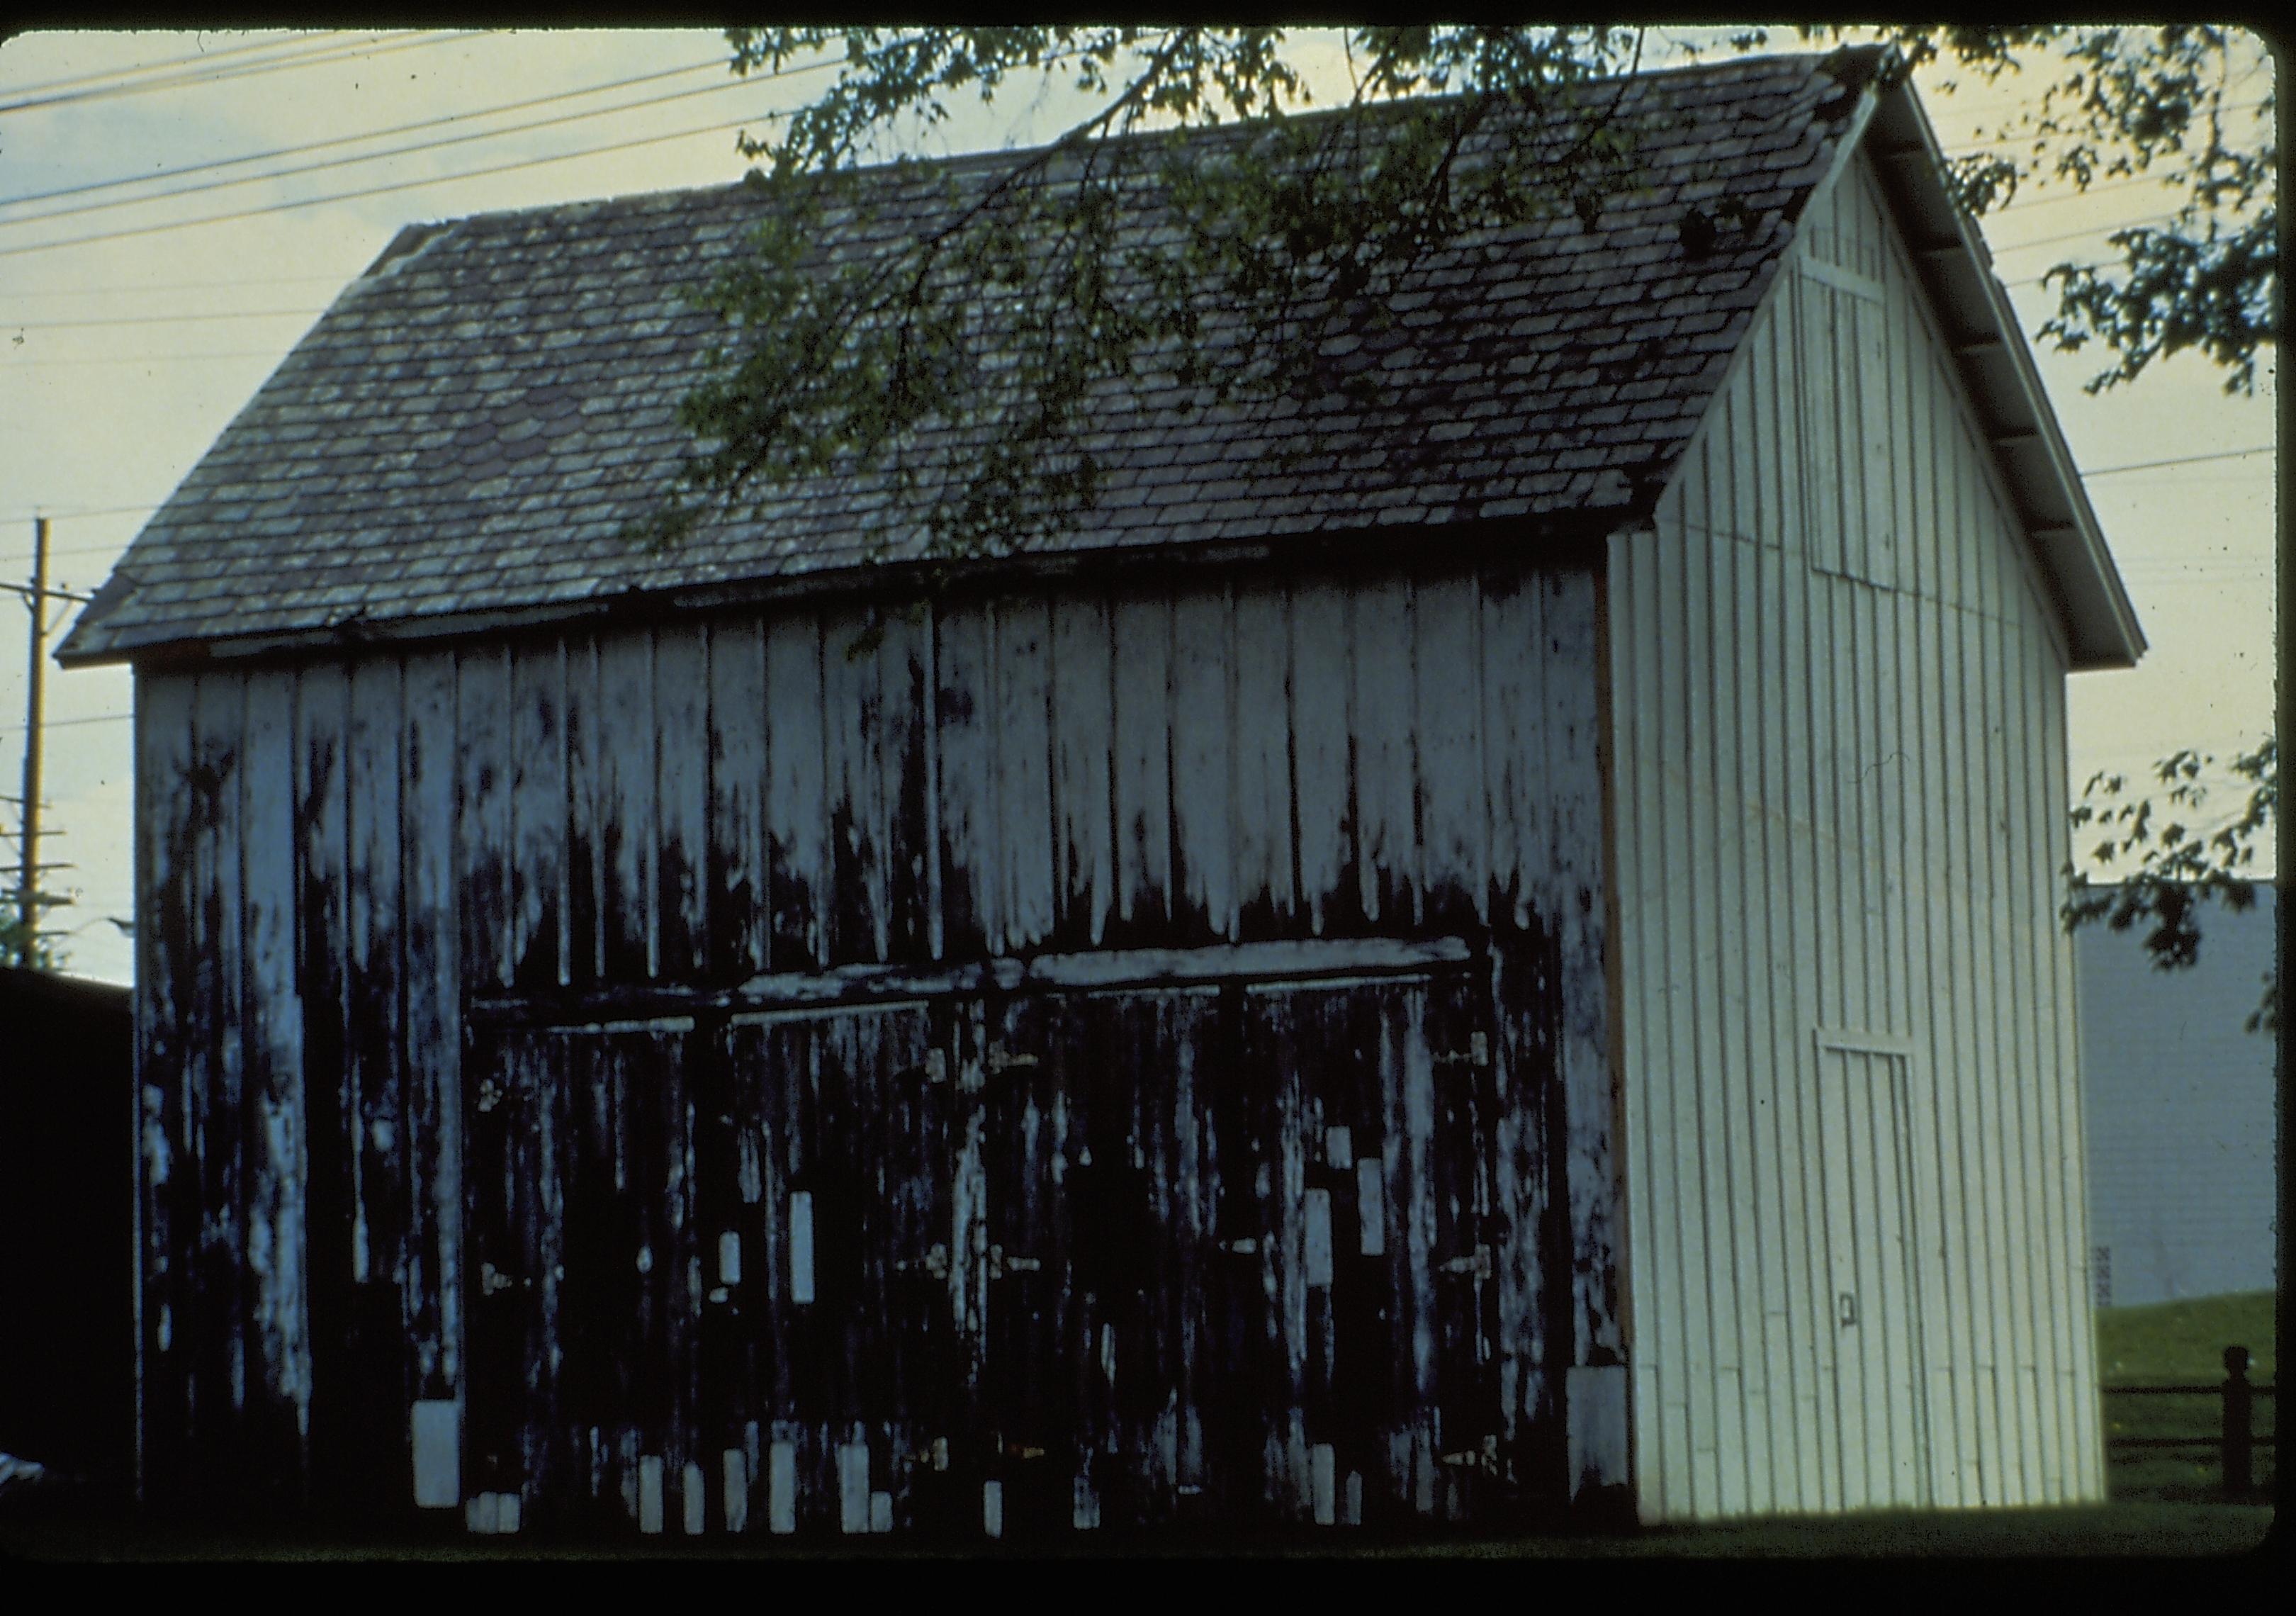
pixel 2148 1528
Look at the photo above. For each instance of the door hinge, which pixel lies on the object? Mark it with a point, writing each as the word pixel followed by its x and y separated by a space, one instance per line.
pixel 1477 1262
pixel 1486 1457
pixel 1000 1265
pixel 935 1262
pixel 1478 1053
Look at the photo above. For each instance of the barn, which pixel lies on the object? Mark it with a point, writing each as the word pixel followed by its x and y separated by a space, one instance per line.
pixel 1430 957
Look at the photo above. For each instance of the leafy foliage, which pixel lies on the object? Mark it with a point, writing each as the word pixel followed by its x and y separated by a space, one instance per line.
pixel 1313 224
pixel 2127 102
pixel 1032 283
pixel 26 945
pixel 2176 870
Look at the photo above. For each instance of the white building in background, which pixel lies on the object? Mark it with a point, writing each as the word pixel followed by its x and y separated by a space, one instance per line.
pixel 2181 1134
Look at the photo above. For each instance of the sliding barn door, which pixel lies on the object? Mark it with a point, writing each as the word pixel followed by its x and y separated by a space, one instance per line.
pixel 1024 1265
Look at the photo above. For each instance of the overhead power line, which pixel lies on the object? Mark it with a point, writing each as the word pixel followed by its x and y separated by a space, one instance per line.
pixel 410 184
pixel 364 51
pixel 197 58
pixel 411 149
pixel 253 313
pixel 2147 465
pixel 346 140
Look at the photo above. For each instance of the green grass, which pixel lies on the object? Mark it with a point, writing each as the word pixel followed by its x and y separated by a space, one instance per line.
pixel 2184 1341
pixel 2182 1344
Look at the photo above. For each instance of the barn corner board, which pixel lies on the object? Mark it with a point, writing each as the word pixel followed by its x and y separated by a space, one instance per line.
pixel 1251 1016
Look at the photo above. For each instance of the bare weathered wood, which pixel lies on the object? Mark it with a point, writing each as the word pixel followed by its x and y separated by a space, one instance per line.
pixel 1322 805
pixel 666 1074
pixel 1084 738
pixel 485 762
pixel 1140 663
pixel 1384 783
pixel 166 979
pixel 1262 796
pixel 339 1256
pixel 853 721
pixel 740 932
pixel 965 801
pixel 536 846
pixel 1203 781
pixel 215 1333
pixel 278 1321
pixel 434 1031
pixel 1023 753
pixel 1446 725
pixel 628 803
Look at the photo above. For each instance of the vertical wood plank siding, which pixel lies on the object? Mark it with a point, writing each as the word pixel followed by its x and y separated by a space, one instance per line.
pixel 339 856
pixel 1839 700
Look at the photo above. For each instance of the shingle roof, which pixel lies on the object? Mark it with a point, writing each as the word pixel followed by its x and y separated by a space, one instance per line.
pixel 474 421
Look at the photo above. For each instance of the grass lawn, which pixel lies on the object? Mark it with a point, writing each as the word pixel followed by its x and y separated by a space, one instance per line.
pixel 2182 1344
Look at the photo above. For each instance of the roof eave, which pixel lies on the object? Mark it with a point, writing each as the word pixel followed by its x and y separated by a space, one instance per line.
pixel 1998 367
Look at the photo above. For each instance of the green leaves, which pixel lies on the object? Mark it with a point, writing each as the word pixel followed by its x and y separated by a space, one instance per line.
pixel 2129 101
pixel 1029 288
pixel 1000 300
pixel 2171 869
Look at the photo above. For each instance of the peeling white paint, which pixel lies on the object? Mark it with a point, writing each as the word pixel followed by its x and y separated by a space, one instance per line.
pixel 736 1468
pixel 853 1487
pixel 696 1499
pixel 800 1233
pixel 781 1488
pixel 650 1490
pixel 437 1436
pixel 1316 1217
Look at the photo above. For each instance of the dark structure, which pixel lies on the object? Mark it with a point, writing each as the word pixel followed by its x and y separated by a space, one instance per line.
pixel 67 1227
pixel 1169 1024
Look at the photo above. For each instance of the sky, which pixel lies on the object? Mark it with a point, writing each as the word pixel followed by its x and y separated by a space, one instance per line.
pixel 176 209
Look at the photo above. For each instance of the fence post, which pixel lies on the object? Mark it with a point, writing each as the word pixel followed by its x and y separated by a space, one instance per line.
pixel 2239 1445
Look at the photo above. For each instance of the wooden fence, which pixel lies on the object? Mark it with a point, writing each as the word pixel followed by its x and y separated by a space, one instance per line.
pixel 2237 1440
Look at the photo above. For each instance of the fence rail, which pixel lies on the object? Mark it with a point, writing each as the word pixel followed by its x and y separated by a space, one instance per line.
pixel 2237 1440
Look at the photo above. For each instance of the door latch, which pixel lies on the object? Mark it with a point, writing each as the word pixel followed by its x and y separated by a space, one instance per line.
pixel 1478 1053
pixel 1000 1265
pixel 935 1262
pixel 1001 1060
pixel 1846 1309
pixel 1477 1262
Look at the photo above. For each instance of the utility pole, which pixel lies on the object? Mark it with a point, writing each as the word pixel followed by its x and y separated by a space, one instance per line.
pixel 34 700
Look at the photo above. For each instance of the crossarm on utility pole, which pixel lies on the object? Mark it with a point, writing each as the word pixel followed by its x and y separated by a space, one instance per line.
pixel 35 696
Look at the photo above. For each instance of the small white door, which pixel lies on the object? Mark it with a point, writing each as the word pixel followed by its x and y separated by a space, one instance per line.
pixel 1865 1164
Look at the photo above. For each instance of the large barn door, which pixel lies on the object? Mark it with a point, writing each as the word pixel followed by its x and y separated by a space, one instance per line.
pixel 1376 1191
pixel 1239 1253
pixel 842 1381
pixel 1093 1159
pixel 579 1248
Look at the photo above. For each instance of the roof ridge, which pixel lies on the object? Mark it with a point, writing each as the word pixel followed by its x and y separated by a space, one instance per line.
pixel 966 161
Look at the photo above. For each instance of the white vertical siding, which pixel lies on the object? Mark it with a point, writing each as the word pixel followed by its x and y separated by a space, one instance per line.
pixel 1846 1007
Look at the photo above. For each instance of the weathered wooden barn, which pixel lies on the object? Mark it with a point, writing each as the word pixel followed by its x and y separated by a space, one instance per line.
pixel 1507 948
